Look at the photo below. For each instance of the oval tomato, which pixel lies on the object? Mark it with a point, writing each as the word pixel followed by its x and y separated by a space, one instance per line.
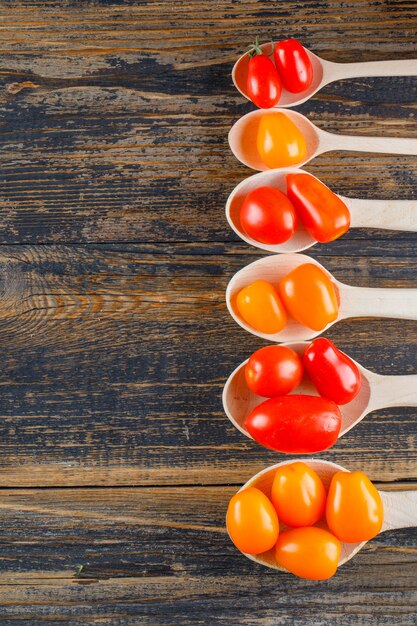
pixel 263 84
pixel 354 509
pixel 308 552
pixel 332 372
pixel 293 65
pixel 279 142
pixel 260 306
pixel 268 216
pixel 309 296
pixel 295 424
pixel 298 495
pixel 252 522
pixel 324 215
pixel 273 371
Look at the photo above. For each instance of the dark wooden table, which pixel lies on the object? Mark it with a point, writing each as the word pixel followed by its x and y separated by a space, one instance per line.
pixel 117 461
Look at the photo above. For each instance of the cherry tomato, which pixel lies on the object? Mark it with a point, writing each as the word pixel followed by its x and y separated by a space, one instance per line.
pixel 332 372
pixel 308 552
pixel 260 306
pixel 273 371
pixel 263 84
pixel 309 296
pixel 295 423
pixel 298 495
pixel 293 65
pixel 252 522
pixel 354 509
pixel 279 141
pixel 268 216
pixel 324 215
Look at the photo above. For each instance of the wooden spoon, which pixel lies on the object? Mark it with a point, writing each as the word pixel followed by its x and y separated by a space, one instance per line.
pixel 381 214
pixel 377 392
pixel 243 134
pixel 400 507
pixel 325 72
pixel 354 301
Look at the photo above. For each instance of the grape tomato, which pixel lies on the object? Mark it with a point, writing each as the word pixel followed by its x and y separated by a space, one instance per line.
pixel 273 371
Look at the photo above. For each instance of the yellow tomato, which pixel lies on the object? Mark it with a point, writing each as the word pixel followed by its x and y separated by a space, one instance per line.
pixel 260 306
pixel 308 552
pixel 280 142
pixel 354 509
pixel 252 522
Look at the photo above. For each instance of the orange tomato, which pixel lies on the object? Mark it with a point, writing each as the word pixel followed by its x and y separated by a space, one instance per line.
pixel 260 306
pixel 298 495
pixel 280 142
pixel 308 552
pixel 309 296
pixel 354 509
pixel 252 522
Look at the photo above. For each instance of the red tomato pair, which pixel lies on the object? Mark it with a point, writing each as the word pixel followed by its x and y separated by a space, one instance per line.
pixel 271 217
pixel 292 69
pixel 300 423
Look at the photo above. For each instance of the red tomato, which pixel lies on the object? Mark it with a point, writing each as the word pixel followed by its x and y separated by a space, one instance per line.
pixel 293 65
pixel 308 552
pixel 268 216
pixel 324 215
pixel 295 424
pixel 252 522
pixel 263 84
pixel 298 495
pixel 273 371
pixel 332 372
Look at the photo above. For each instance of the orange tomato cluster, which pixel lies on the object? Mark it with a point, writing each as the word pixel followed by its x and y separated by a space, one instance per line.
pixel 307 294
pixel 352 511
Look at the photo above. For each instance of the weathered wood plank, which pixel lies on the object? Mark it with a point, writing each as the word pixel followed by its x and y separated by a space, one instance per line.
pixel 111 136
pixel 113 366
pixel 162 556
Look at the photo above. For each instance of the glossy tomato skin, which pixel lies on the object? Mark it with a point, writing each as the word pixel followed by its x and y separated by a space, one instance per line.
pixel 268 216
pixel 293 65
pixel 297 424
pixel 252 522
pixel 310 552
pixel 298 495
pixel 279 141
pixel 260 306
pixel 309 296
pixel 354 509
pixel 273 371
pixel 332 372
pixel 263 84
pixel 324 215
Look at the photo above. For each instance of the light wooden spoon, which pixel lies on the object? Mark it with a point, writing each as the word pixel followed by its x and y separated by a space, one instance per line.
pixel 400 507
pixel 354 301
pixel 377 392
pixel 381 214
pixel 325 72
pixel 243 134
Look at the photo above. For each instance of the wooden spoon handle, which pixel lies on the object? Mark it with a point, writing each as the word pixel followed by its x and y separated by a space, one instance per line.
pixel 389 391
pixel 386 145
pixel 400 509
pixel 340 71
pixel 383 214
pixel 378 302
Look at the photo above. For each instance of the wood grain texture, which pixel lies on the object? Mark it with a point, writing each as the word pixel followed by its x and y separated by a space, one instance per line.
pixel 161 556
pixel 115 339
